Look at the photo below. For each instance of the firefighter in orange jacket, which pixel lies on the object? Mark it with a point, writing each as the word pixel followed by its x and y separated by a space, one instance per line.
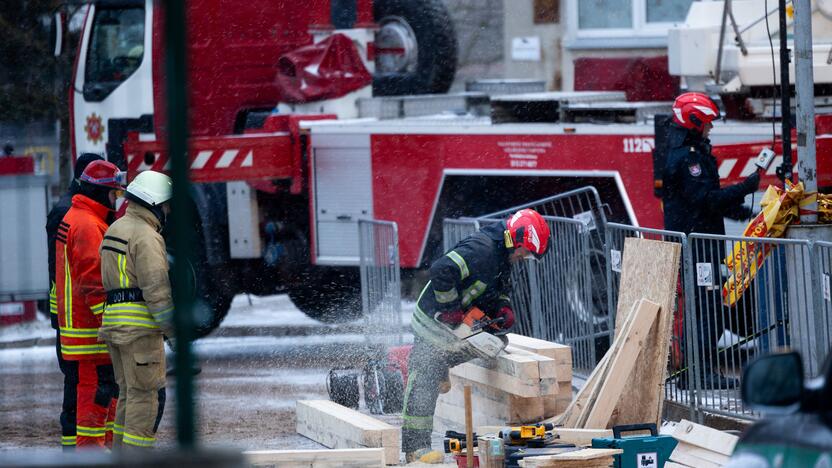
pixel 80 300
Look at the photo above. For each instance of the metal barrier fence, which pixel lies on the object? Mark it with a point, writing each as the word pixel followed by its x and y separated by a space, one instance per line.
pixel 737 298
pixel 746 297
pixel 381 300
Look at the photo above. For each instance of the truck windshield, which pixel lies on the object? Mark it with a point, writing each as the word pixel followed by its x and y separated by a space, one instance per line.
pixel 116 50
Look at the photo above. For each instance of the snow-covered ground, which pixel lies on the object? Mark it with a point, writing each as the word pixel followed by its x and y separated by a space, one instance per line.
pixel 253 372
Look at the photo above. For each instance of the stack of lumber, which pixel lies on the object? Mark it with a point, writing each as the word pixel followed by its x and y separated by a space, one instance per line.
pixel 585 458
pixel 699 446
pixel 522 385
pixel 627 385
pixel 357 458
pixel 336 426
pixel 562 354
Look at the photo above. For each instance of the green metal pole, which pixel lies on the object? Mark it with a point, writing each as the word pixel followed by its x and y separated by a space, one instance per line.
pixel 176 69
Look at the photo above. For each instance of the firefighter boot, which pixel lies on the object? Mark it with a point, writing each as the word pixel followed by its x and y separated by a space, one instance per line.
pixel 425 455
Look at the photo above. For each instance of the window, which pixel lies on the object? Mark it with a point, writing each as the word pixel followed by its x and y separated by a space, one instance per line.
pixel 626 17
pixel 667 11
pixel 605 14
pixel 116 49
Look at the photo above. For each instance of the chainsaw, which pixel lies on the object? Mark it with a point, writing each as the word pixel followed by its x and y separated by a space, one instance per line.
pixel 481 333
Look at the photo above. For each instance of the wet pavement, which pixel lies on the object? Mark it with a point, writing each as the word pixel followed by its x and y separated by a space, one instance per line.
pixel 266 356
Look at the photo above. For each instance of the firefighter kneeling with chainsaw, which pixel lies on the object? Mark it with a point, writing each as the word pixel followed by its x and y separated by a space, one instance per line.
pixel 463 313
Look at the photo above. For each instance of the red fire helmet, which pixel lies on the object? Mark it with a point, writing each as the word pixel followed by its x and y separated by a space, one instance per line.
pixel 105 174
pixel 528 229
pixel 694 110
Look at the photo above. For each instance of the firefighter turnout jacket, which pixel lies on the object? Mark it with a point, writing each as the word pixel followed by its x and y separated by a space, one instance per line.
pixel 134 268
pixel 78 289
pixel 475 273
pixel 693 199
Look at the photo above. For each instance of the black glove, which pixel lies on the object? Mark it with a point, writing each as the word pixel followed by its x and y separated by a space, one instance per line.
pixel 752 183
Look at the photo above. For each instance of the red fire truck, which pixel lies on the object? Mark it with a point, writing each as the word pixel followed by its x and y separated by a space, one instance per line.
pixel 282 177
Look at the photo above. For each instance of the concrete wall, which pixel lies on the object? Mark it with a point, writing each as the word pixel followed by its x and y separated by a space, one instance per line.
pixel 518 22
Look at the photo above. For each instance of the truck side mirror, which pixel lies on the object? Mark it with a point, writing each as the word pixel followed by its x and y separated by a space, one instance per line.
pixel 774 383
pixel 58 33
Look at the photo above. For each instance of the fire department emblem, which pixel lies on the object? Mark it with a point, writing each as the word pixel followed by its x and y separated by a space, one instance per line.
pixel 695 170
pixel 94 128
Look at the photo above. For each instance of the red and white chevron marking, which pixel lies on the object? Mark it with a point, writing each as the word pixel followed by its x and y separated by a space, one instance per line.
pixel 204 160
pixel 728 167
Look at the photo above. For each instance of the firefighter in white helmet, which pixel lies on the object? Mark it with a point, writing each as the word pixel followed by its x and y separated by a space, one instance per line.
pixel 139 308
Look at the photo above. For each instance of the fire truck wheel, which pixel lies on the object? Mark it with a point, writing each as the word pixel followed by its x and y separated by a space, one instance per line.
pixel 416 47
pixel 331 295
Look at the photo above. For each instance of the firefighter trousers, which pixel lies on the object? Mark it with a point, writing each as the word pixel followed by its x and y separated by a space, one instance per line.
pixel 96 404
pixel 68 407
pixel 140 373
pixel 427 368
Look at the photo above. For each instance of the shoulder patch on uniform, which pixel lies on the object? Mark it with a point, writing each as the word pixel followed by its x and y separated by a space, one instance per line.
pixel 695 169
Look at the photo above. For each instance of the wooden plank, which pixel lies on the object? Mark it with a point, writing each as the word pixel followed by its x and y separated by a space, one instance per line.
pixel 598 382
pixel 703 453
pixel 670 464
pixel 587 454
pixel 337 426
pixel 520 386
pixel 580 437
pixel 572 414
pixel 361 457
pixel 628 348
pixel 706 437
pixel 650 270
pixel 562 354
pixel 495 403
pixel 680 455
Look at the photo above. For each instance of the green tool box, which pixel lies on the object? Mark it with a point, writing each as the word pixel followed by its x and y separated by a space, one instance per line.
pixel 640 451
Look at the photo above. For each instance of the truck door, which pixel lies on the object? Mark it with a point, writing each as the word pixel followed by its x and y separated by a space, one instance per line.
pixel 342 195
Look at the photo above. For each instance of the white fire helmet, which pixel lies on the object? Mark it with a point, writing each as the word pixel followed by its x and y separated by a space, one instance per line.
pixel 151 187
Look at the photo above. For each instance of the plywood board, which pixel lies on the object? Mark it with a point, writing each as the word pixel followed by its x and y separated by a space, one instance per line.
pixel 650 270
pixel 362 457
pixel 705 437
pixel 627 349
pixel 336 426
pixel 580 437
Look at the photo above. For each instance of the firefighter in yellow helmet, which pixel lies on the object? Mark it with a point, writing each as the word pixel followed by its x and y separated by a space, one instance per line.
pixel 139 308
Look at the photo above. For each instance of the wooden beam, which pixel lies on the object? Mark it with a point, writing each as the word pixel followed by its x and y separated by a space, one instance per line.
pixel 627 350
pixel 650 270
pixel 336 426
pixel 562 354
pixel 580 437
pixel 573 412
pixel 705 437
pixel 524 385
pixel 362 457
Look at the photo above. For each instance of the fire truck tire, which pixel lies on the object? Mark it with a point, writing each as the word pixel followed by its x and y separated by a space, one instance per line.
pixel 330 295
pixel 423 31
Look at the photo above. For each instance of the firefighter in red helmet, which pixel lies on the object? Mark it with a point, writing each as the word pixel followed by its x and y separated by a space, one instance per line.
pixel 695 202
pixel 80 300
pixel 473 277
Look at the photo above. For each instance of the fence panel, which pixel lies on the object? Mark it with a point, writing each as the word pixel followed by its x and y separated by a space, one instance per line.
pixel 744 297
pixel 823 292
pixel 454 230
pixel 381 300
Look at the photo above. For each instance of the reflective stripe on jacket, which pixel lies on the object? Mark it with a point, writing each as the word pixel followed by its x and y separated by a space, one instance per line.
pixel 133 255
pixel 476 272
pixel 79 294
